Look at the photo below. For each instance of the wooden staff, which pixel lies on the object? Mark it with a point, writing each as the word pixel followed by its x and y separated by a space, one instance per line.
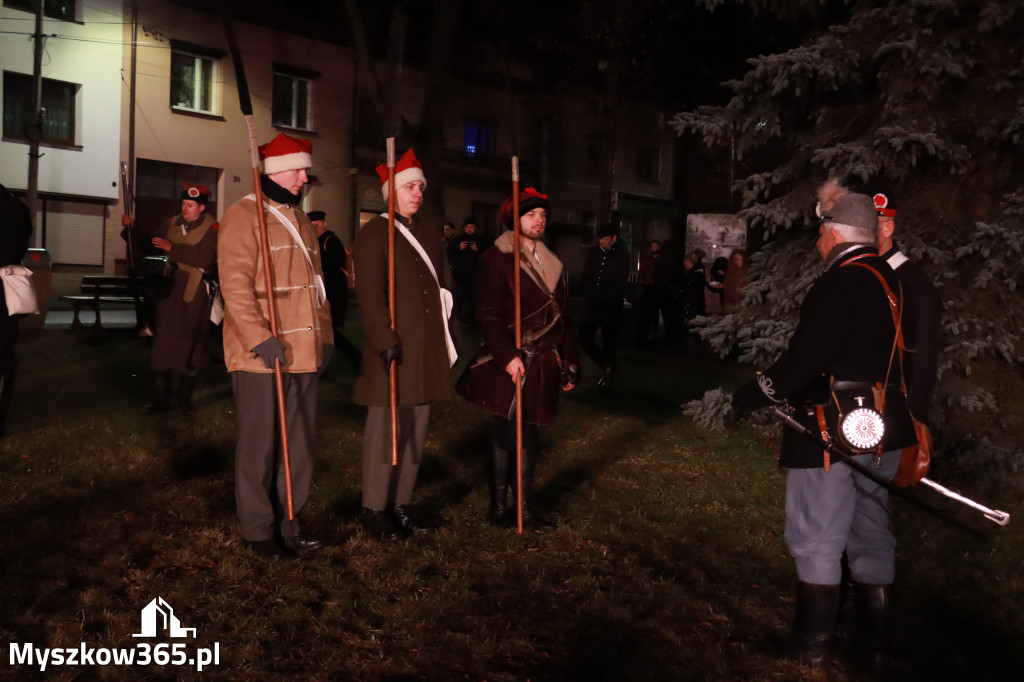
pixel 392 305
pixel 245 103
pixel 517 301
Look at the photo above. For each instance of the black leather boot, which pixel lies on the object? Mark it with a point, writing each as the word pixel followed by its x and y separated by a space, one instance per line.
pixel 379 525
pixel 407 517
pixel 531 519
pixel 817 607
pixel 185 384
pixel 871 607
pixel 161 393
pixel 499 467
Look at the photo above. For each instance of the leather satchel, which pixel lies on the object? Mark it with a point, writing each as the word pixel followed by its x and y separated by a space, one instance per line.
pixel 915 459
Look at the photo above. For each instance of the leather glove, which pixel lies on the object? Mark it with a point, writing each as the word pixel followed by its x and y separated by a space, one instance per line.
pixel 270 350
pixel 389 355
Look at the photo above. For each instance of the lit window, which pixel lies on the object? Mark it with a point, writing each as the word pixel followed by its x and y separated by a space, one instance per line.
pixel 478 139
pixel 59 107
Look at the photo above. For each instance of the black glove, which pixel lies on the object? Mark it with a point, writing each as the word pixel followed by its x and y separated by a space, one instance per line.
pixel 389 355
pixel 270 350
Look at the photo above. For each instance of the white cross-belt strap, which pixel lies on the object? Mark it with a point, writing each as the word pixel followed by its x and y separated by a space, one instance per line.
pixel 447 301
pixel 321 290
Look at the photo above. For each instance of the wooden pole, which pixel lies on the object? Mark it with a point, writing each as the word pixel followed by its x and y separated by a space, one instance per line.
pixel 516 230
pixel 392 305
pixel 268 276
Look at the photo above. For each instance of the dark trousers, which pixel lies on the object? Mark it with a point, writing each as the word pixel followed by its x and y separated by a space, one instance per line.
pixel 260 490
pixel 606 318
pixel 384 483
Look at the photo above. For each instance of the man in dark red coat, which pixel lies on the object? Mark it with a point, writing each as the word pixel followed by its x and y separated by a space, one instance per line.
pixel 547 363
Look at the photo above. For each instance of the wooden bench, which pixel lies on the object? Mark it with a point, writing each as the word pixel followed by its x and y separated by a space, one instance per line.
pixel 100 290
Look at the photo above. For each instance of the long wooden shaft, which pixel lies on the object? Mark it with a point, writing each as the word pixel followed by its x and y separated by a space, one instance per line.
pixel 392 304
pixel 518 299
pixel 245 104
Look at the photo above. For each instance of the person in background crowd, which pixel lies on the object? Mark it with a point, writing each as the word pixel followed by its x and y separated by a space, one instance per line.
pixel 547 363
pixel 15 231
pixel 180 345
pixel 421 346
pixel 736 274
pixel 333 258
pixel 841 350
pixel 463 250
pixel 302 347
pixel 691 289
pixel 656 273
pixel 714 299
pixel 605 274
pixel 449 232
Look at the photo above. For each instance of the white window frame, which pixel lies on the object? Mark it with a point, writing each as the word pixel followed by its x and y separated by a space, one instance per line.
pixel 296 81
pixel 197 84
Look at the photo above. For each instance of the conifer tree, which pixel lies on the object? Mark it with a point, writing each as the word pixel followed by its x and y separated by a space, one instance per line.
pixel 927 97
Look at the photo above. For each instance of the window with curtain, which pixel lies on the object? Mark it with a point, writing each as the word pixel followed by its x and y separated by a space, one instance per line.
pixel 192 78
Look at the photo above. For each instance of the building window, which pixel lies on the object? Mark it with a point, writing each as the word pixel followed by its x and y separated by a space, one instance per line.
pixel 648 164
pixel 59 104
pixel 193 75
pixel 479 138
pixel 54 9
pixel 292 92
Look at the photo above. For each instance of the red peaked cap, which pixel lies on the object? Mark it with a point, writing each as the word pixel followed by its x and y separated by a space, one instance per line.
pixel 197 193
pixel 884 206
pixel 407 169
pixel 529 199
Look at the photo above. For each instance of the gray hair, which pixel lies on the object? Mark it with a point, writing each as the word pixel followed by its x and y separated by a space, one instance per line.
pixel 855 235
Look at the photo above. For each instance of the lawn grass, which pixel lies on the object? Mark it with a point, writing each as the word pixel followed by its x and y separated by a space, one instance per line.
pixel 668 563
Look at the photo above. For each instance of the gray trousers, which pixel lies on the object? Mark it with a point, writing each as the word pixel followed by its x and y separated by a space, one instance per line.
pixel 841 510
pixel 260 491
pixel 384 484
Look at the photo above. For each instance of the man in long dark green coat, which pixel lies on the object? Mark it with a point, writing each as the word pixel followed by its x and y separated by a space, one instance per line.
pixel 420 345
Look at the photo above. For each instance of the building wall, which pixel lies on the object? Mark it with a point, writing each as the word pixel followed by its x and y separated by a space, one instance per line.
pixel 221 140
pixel 87 53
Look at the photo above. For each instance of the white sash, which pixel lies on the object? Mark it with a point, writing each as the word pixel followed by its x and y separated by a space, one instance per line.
pixel 447 301
pixel 321 290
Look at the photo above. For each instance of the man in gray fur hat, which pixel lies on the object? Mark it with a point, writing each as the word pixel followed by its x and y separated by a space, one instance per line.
pixel 840 355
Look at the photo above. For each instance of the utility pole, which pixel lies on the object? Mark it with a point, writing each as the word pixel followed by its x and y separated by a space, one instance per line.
pixel 35 131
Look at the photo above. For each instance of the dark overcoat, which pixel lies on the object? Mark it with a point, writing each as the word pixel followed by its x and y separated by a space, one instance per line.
pixel 485 382
pixel 182 317
pixel 423 374
pixel 845 332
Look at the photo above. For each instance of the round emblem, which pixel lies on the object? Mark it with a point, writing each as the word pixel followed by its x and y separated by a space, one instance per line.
pixel 881 201
pixel 193 192
pixel 863 429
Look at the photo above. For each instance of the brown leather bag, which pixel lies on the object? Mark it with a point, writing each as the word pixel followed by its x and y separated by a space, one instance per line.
pixel 915 459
